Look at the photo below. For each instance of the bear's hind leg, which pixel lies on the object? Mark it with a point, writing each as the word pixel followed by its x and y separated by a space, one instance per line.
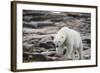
pixel 76 54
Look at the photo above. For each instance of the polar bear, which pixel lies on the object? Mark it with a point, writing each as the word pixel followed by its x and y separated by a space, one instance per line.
pixel 69 40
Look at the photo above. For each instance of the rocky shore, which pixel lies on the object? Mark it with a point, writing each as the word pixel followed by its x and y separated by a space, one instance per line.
pixel 40 27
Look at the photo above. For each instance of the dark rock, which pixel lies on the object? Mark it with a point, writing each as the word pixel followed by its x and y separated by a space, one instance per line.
pixel 25 56
pixel 57 20
pixel 88 41
pixel 85 48
pixel 32 13
pixel 42 45
pixel 38 56
pixel 87 57
pixel 29 25
pixel 47 45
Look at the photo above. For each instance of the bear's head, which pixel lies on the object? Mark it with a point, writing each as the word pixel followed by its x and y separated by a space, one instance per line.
pixel 59 42
pixel 59 39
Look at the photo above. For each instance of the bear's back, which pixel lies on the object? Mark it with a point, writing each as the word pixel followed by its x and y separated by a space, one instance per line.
pixel 69 31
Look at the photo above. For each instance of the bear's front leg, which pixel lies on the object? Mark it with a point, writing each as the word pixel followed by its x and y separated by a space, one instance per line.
pixel 69 52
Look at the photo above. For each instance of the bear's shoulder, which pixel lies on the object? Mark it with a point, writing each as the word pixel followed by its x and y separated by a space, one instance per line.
pixel 63 29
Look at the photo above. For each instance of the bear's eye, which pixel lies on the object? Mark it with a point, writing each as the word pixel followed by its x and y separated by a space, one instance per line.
pixel 59 41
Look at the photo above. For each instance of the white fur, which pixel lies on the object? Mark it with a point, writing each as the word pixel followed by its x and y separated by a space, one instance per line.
pixel 70 39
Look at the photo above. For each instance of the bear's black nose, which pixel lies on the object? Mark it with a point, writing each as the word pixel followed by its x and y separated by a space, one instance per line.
pixel 57 46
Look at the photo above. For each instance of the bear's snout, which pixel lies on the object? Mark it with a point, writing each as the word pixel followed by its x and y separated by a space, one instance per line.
pixel 57 46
